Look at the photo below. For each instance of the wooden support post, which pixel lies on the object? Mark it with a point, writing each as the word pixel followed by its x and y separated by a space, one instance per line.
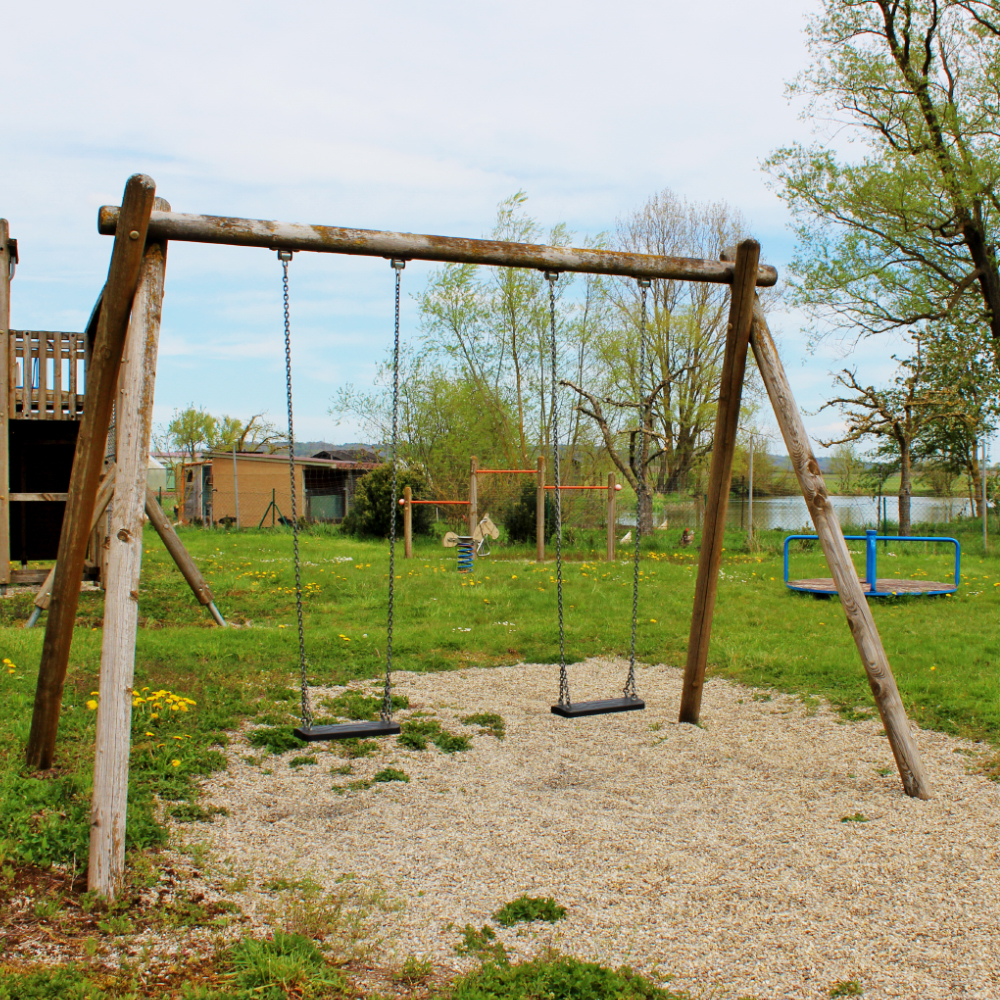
pixel 540 511
pixel 181 556
pixel 407 522
pixel 102 377
pixel 104 494
pixel 473 496
pixel 6 399
pixel 612 516
pixel 852 598
pixel 719 476
pixel 133 424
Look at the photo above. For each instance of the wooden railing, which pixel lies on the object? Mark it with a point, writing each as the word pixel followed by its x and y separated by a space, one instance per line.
pixel 47 371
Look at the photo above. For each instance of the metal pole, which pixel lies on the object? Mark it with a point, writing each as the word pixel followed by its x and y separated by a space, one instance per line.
pixel 982 476
pixel 236 489
pixel 750 498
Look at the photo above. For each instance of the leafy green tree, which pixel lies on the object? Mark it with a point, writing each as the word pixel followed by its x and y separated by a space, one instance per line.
pixel 905 232
pixel 192 430
pixel 373 500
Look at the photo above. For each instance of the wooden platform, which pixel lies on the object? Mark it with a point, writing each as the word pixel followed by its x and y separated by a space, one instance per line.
pixel 883 586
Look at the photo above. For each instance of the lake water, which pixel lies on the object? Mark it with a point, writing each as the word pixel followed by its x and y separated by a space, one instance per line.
pixel 791 514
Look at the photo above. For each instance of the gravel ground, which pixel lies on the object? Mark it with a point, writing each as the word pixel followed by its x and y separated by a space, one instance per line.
pixel 715 855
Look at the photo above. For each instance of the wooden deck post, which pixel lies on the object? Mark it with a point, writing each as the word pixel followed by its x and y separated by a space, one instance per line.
pixel 102 377
pixel 719 476
pixel 104 493
pixel 6 400
pixel 473 496
pixel 181 556
pixel 612 517
pixel 407 522
pixel 540 511
pixel 859 616
pixel 133 424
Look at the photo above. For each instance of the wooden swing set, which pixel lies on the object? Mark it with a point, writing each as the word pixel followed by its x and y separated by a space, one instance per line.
pixel 129 321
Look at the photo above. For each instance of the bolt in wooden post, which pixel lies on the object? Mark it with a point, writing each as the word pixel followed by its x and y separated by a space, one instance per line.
pixel 407 522
pixel 719 476
pixel 473 496
pixel 540 512
pixel 612 517
pixel 133 423
pixel 6 401
pixel 88 461
pixel 831 537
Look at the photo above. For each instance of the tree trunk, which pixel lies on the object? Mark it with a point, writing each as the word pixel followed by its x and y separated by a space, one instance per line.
pixel 905 487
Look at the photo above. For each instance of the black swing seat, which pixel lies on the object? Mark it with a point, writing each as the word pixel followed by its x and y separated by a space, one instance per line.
pixel 347 731
pixel 578 708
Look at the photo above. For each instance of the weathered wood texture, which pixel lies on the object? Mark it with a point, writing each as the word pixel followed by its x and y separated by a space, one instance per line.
pixel 104 493
pixel 859 615
pixel 123 277
pixel 540 512
pixel 719 476
pixel 612 516
pixel 178 553
pixel 54 397
pixel 883 585
pixel 133 425
pixel 473 496
pixel 412 246
pixel 6 401
pixel 407 522
pixel 38 497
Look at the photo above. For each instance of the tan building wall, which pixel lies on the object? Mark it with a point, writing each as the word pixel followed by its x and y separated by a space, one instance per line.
pixel 258 478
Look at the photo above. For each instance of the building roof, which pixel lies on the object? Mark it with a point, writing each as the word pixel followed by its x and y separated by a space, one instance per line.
pixel 309 461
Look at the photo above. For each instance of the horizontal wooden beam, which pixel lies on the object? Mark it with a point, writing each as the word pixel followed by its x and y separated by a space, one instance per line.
pixel 27 497
pixel 412 246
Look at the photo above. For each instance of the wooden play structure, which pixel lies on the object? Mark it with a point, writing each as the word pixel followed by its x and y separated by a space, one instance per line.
pixel 127 325
pixel 43 379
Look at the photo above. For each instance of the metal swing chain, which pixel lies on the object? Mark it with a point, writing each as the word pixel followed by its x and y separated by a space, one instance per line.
pixel 552 277
pixel 629 691
pixel 386 712
pixel 307 717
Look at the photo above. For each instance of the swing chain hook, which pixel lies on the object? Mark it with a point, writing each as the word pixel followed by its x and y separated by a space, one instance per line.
pixel 307 717
pixel 385 713
pixel 564 699
pixel 629 690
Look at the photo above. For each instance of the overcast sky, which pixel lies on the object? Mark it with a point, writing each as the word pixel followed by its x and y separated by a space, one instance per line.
pixel 414 117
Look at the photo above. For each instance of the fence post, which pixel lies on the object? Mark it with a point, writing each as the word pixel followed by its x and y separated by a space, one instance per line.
pixel 236 489
pixel 273 508
pixel 540 512
pixel 473 496
pixel 7 259
pixel 407 522
pixel 982 476
pixel 612 517
pixel 750 499
pixel 871 557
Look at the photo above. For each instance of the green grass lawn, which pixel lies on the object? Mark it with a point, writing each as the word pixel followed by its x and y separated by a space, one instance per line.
pixel 194 680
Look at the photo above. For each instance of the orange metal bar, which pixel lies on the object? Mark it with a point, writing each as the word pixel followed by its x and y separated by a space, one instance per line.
pixel 435 503
pixel 520 472
pixel 617 487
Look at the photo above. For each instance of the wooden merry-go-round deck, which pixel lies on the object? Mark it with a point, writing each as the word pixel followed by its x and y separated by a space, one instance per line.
pixel 884 587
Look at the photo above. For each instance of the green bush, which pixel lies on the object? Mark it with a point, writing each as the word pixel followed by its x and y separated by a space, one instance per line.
pixel 524 909
pixel 51 984
pixel 287 965
pixel 560 978
pixel 373 501
pixel 519 517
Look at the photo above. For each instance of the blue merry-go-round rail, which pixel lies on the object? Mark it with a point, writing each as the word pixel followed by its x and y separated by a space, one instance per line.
pixel 890 588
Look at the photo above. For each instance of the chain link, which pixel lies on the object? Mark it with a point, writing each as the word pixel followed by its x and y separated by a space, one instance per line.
pixel 629 691
pixel 552 277
pixel 386 712
pixel 307 717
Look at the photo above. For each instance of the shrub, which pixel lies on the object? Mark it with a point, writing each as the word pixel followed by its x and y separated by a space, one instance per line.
pixel 373 500
pixel 560 978
pixel 524 909
pixel 518 518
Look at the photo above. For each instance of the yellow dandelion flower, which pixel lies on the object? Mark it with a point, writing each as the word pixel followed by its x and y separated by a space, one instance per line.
pixel 92 705
pixel 176 763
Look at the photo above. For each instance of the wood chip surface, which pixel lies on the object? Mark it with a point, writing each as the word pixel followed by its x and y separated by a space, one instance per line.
pixel 716 855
